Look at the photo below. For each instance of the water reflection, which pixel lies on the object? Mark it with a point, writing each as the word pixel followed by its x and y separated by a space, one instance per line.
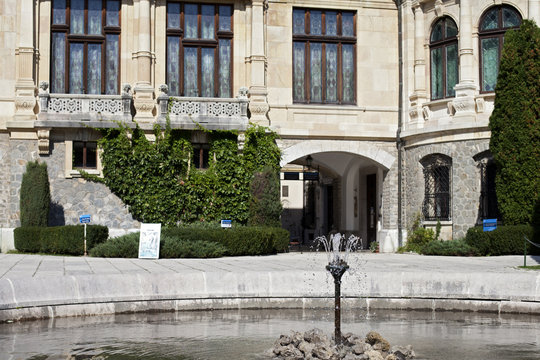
pixel 247 334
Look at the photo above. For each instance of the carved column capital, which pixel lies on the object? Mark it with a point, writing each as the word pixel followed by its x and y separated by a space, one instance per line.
pixel 43 140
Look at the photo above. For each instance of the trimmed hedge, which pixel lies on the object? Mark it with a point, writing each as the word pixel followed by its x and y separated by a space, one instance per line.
pixel 67 240
pixel 505 240
pixel 449 248
pixel 125 246
pixel 35 195
pixel 27 239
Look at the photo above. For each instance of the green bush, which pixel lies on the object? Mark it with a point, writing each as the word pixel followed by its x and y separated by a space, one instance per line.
pixel 27 239
pixel 418 236
pixel 69 239
pixel 505 240
pixel 171 247
pixel 265 205
pixel 125 246
pixel 35 195
pixel 449 248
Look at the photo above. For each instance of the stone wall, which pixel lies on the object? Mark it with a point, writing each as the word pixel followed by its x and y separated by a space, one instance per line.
pixel 465 182
pixel 4 179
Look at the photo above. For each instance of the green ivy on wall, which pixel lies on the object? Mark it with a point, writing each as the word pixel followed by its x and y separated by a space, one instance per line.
pixel 158 182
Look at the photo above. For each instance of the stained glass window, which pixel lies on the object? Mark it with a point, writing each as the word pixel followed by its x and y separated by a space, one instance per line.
pixel 324 46
pixel 85 46
pixel 199 49
pixel 493 25
pixel 444 58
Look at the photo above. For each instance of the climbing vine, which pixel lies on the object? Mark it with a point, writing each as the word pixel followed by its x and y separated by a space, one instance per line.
pixel 159 182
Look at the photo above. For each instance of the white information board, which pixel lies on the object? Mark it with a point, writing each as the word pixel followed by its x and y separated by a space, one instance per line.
pixel 149 241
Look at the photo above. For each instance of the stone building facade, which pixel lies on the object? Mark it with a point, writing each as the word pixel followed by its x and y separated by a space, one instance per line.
pixel 382 106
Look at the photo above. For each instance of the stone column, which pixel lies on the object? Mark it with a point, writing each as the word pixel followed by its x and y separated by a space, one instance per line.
pixel 143 90
pixel 534 11
pixel 258 104
pixel 464 103
pixel 419 96
pixel 25 88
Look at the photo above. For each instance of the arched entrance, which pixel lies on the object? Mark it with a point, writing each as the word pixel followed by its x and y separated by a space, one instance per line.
pixel 329 186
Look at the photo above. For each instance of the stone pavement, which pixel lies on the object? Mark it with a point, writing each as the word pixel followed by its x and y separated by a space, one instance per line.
pixel 34 286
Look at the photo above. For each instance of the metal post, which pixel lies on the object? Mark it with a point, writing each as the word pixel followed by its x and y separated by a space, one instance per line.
pixel 85 254
pixel 337 313
pixel 524 251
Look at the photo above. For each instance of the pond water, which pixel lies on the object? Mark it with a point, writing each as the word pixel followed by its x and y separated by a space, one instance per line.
pixel 247 334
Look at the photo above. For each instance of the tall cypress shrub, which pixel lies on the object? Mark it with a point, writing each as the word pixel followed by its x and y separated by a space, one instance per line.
pixel 35 195
pixel 515 125
pixel 265 205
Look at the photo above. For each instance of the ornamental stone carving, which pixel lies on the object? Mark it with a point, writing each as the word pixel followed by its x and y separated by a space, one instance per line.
pixel 43 141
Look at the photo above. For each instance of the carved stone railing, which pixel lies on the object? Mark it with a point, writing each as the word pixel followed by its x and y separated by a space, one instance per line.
pixel 210 113
pixel 75 108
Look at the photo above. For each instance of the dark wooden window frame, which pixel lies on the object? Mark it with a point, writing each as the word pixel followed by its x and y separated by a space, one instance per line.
pixel 444 44
pixel 85 40
pixel 201 43
pixel 85 155
pixel 323 39
pixel 495 33
pixel 203 151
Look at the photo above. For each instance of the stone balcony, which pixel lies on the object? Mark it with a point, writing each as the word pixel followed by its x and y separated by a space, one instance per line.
pixel 192 113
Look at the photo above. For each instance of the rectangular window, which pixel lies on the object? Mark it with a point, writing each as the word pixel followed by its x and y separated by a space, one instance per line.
pixel 200 156
pixel 199 49
pixel 85 46
pixel 84 155
pixel 324 48
pixel 437 192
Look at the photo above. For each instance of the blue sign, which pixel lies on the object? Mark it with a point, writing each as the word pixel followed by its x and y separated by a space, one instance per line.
pixel 226 223
pixel 84 219
pixel 490 224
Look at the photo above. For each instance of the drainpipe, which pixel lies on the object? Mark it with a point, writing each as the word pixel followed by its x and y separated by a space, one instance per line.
pixel 399 142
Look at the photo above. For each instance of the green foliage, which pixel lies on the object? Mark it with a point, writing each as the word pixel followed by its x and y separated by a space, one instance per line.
pixel 69 239
pixel 172 247
pixel 536 222
pixel 418 236
pixel 449 248
pixel 505 240
pixel 27 238
pixel 515 125
pixel 35 195
pixel 265 206
pixel 125 246
pixel 159 184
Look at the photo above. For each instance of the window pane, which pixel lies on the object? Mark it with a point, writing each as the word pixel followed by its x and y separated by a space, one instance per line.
pixel 113 13
pixel 77 16
pixel 76 52
pixel 316 72
pixel 94 17
pixel 299 50
pixel 78 154
pixel 190 19
pixel 490 63
pixel 451 28
pixel 331 23
pixel 58 63
pixel 173 16
pixel 451 69
pixel 315 22
pixel 347 57
pixel 436 33
pixel 207 21
pixel 190 72
pixel 173 66
pixel 225 17
pixel 224 68
pixel 347 24
pixel 207 72
pixel 510 18
pixel 436 73
pixel 331 72
pixel 111 64
pixel 490 21
pixel 93 75
pixel 91 155
pixel 59 12
pixel 299 26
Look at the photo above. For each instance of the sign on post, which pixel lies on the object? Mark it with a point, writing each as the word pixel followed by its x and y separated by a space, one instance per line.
pixel 489 224
pixel 226 224
pixel 84 219
pixel 149 241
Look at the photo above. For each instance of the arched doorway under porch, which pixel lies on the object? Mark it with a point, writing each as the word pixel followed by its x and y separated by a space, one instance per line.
pixel 334 186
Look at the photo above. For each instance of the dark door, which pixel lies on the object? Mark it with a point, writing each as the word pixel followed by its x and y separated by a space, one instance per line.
pixel 371 197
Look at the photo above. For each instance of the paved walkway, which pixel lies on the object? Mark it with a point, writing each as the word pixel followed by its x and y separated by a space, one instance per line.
pixel 47 286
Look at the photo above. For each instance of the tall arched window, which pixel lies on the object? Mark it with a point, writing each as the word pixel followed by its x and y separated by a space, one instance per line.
pixel 444 58
pixel 437 176
pixel 493 25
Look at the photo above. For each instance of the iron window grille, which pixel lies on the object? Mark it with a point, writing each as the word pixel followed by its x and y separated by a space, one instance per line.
pixel 436 204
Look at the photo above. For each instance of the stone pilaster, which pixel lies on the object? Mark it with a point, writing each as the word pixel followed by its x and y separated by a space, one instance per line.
pixel 143 90
pixel 419 96
pixel 258 104
pixel 25 88
pixel 534 11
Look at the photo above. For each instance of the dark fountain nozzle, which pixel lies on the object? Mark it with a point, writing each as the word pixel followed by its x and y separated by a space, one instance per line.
pixel 337 269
